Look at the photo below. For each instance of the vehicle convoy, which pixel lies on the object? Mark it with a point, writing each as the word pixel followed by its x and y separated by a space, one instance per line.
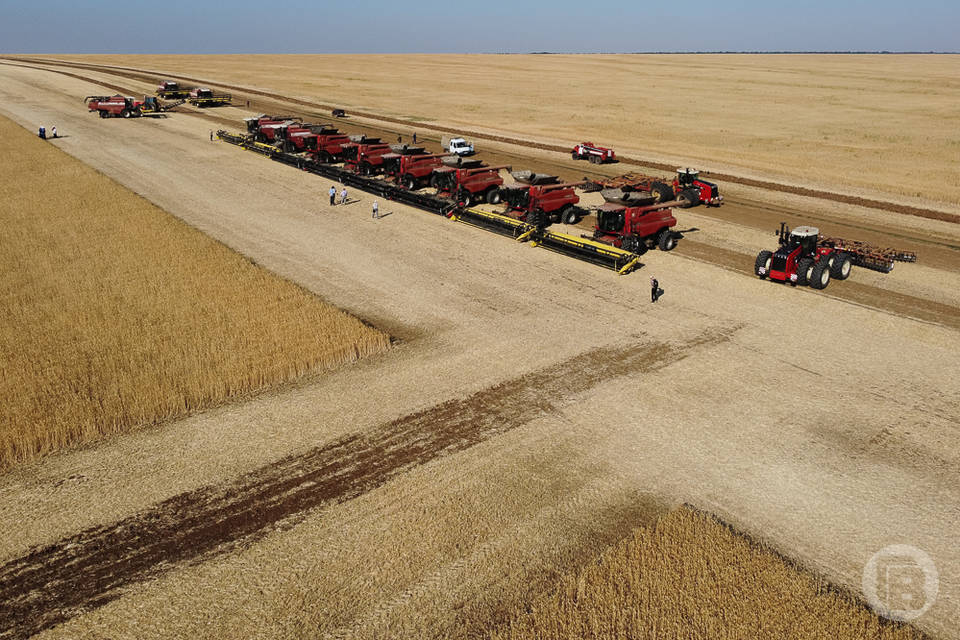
pixel 806 258
pixel 637 229
pixel 172 90
pixel 413 170
pixel 125 106
pixel 459 146
pixel 686 186
pixel 364 155
pixel 203 97
pixel 469 185
pixel 595 154
pixel 542 204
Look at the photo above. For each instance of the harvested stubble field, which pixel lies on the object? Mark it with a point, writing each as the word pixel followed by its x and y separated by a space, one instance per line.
pixel 875 125
pixel 690 576
pixel 116 314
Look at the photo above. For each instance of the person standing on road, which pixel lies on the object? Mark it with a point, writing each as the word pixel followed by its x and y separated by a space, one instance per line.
pixel 211 136
pixel 343 196
pixel 654 289
pixel 399 138
pixel 54 131
pixel 376 210
pixel 414 137
pixel 42 133
pixel 333 195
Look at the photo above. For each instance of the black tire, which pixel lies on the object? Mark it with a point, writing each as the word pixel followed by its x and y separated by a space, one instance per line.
pixel 409 182
pixel 465 197
pixel 538 219
pixel 125 113
pixel 574 156
pixel 366 169
pixel 662 192
pixel 691 196
pixel 630 243
pixel 571 215
pixel 493 195
pixel 804 266
pixel 764 258
pixel 433 180
pixel 841 267
pixel 667 241
pixel 103 114
pixel 819 275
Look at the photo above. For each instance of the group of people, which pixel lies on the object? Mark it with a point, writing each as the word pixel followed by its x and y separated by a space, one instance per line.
pixel 343 200
pixel 43 132
pixel 400 137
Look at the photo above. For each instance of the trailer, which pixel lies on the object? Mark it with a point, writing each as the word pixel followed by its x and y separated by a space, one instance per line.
pixel 686 186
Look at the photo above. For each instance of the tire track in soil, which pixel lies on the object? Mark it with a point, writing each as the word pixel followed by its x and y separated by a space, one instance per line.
pixel 52 584
pixel 144 76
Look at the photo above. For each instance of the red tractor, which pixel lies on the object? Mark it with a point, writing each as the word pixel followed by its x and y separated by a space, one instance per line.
pixel 637 229
pixel 122 106
pixel 543 204
pixel 802 260
pixel 595 154
pixel 689 187
pixel 469 185
pixel 365 155
pixel 413 171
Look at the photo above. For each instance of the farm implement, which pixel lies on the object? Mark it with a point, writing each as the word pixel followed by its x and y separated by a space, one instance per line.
pixel 620 260
pixel 686 187
pixel 203 97
pixel 804 257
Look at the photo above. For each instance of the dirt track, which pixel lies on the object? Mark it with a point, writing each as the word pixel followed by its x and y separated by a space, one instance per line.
pixel 818 435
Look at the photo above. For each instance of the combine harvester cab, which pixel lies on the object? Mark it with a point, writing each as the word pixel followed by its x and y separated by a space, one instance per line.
pixel 469 185
pixel 637 229
pixel 543 204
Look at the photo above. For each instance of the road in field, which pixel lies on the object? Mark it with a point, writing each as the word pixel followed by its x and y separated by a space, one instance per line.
pixel 535 407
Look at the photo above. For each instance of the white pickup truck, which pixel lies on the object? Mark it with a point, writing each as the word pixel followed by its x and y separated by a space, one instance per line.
pixel 458 146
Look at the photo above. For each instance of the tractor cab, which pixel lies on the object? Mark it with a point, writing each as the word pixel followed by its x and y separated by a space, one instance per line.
pixel 806 238
pixel 687 177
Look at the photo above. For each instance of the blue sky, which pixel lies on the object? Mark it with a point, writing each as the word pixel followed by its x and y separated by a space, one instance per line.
pixel 367 26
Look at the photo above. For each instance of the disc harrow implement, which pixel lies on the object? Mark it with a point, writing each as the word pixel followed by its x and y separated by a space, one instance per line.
pixel 868 256
pixel 598 253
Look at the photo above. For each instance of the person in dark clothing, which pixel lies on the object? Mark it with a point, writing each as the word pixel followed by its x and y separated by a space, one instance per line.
pixel 42 133
pixel 399 139
pixel 414 137
pixel 333 195
pixel 654 289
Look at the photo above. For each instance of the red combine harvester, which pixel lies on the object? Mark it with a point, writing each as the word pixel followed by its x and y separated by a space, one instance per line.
pixel 542 204
pixel 172 90
pixel 805 258
pixel 469 185
pixel 637 229
pixel 124 106
pixel 364 155
pixel 595 154
pixel 413 170
pixel 264 128
pixel 301 138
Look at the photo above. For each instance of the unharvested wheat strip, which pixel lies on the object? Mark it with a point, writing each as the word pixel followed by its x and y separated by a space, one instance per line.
pixel 116 314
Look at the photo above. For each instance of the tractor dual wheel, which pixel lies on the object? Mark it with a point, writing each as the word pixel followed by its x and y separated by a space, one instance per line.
pixel 841 265
pixel 804 270
pixel 691 198
pixel 662 192
pixel 762 264
pixel 667 241
pixel 819 274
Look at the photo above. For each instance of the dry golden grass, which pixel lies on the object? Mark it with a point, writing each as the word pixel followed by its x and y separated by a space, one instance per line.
pixel 883 123
pixel 692 577
pixel 116 314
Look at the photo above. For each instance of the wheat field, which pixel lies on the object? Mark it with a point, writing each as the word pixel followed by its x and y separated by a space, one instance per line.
pixel 116 314
pixel 881 125
pixel 690 576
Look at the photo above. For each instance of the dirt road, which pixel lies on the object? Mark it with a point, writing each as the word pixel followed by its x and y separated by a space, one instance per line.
pixel 536 409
